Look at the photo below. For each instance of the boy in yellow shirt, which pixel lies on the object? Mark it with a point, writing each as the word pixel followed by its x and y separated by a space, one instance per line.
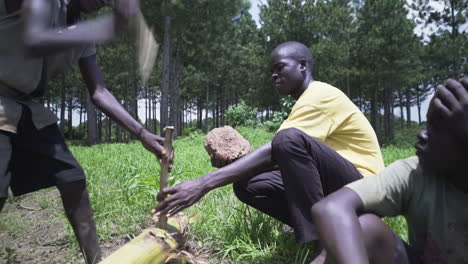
pixel 325 143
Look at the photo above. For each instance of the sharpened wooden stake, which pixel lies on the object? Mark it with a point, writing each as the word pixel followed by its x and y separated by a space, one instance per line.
pixel 168 131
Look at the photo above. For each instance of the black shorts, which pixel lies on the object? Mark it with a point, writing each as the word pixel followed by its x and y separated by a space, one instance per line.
pixel 35 159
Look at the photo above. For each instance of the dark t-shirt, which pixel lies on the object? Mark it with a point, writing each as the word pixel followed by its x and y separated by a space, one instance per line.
pixel 21 74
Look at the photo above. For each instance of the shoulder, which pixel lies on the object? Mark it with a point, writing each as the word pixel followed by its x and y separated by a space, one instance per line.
pixel 326 95
pixel 319 95
pixel 399 173
pixel 403 171
pixel 320 89
pixel 410 164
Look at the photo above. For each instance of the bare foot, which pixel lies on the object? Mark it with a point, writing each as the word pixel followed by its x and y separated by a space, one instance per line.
pixel 321 258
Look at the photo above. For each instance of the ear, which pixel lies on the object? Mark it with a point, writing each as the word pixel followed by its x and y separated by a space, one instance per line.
pixel 303 64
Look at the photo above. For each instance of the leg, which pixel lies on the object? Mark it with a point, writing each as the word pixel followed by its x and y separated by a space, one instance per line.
pixel 78 210
pixel 264 192
pixel 50 163
pixel 5 173
pixel 2 203
pixel 382 244
pixel 309 170
pixel 320 255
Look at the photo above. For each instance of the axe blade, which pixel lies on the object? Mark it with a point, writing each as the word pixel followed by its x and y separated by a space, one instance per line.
pixel 147 48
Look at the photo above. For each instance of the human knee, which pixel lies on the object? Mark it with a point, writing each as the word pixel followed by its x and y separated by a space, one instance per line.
pixel 240 190
pixel 74 195
pixel 286 139
pixel 72 187
pixel 377 235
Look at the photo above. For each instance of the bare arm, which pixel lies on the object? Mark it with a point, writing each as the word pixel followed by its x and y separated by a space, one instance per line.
pixel 251 164
pixel 103 99
pixel 336 218
pixel 187 193
pixel 42 40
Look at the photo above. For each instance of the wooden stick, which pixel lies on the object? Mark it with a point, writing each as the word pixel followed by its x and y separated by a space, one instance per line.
pixel 168 131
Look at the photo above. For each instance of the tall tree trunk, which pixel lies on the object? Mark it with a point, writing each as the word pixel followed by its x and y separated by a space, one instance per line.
pixel 380 117
pixel 216 109
pixel 175 89
pixel 402 117
pixel 408 107
pixel 163 112
pixel 80 124
pixel 154 114
pixel 109 130
pixel 213 113
pixel 82 102
pixel 348 86
pixel 375 112
pixel 147 107
pixel 100 125
pixel 180 119
pixel 92 122
pixel 118 135
pixel 199 114
pixel 453 36
pixel 388 113
pixel 70 117
pixel 223 111
pixel 62 104
pixel 132 98
pixel 418 104
pixel 150 110
pixel 206 125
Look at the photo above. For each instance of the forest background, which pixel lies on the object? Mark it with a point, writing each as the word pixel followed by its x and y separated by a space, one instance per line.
pixel 212 69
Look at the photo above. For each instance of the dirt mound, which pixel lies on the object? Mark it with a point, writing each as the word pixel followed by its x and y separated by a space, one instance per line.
pixel 226 142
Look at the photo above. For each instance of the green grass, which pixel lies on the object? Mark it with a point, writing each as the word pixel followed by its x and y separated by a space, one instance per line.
pixel 123 180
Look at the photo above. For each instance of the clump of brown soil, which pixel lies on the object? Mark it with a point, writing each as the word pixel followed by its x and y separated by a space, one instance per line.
pixel 227 143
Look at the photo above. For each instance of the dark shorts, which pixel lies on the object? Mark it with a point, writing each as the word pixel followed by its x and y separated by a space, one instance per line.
pixel 404 254
pixel 35 159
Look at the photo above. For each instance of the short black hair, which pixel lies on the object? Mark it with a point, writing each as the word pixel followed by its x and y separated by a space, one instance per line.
pixel 298 51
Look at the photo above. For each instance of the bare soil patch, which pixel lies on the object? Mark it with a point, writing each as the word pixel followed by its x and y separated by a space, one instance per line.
pixel 33 229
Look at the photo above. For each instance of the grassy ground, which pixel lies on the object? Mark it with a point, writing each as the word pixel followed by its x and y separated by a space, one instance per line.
pixel 123 182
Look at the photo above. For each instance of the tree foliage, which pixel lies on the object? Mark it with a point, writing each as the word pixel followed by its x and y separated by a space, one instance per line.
pixel 213 59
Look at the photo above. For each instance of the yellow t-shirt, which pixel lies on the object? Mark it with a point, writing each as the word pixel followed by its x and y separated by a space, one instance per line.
pixel 327 114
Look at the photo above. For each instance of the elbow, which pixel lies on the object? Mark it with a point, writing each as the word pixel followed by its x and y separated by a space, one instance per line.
pixel 338 204
pixel 323 208
pixel 97 97
pixel 328 209
pixel 34 44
